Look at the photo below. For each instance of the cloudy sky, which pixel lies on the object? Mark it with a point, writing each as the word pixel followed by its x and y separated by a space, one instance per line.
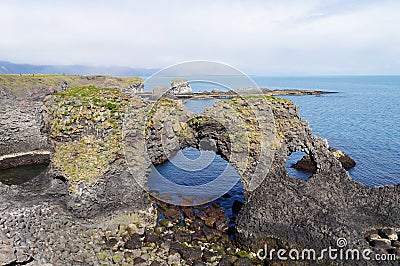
pixel 283 37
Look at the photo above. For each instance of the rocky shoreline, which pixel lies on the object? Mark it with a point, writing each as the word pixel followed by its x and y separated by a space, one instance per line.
pixel 91 207
pixel 220 94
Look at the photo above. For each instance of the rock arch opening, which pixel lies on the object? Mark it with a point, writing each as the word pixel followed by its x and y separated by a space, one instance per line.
pixel 194 177
pixel 205 190
pixel 300 165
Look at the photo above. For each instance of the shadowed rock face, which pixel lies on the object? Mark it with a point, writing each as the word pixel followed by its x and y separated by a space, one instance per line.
pixel 314 213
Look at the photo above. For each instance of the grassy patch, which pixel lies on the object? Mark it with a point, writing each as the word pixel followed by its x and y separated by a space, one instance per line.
pixel 19 85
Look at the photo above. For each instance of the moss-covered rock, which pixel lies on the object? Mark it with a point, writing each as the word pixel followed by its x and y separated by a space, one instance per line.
pixel 85 124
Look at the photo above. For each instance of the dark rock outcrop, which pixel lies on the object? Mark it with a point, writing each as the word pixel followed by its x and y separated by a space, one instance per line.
pixel 20 122
pixel 306 164
pixel 278 209
pixel 346 161
pixel 312 213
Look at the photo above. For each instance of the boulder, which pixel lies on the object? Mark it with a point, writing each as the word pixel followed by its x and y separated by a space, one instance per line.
pixel 305 164
pixel 180 86
pixel 346 161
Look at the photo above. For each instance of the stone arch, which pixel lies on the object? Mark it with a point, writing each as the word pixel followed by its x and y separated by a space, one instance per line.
pixel 207 129
pixel 242 129
pixel 299 165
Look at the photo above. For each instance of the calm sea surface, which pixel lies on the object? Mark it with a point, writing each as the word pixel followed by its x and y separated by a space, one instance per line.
pixel 363 120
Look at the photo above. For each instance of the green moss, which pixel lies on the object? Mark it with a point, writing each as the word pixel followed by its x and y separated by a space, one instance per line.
pixel 111 106
pixel 243 254
pixel 86 159
pixel 77 109
pixel 96 101
pixel 198 121
pixel 116 258
pixel 102 256
pixel 80 107
pixel 87 91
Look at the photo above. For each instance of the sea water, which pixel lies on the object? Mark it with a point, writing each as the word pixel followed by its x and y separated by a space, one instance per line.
pixel 362 120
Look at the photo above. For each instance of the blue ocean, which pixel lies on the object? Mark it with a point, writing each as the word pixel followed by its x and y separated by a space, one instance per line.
pixel 362 119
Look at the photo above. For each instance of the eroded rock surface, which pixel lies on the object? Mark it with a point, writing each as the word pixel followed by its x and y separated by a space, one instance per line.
pixel 286 212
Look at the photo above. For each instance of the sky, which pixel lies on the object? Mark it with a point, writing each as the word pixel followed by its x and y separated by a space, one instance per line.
pixel 316 37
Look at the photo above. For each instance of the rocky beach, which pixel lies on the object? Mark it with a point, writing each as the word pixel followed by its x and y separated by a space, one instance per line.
pixel 100 136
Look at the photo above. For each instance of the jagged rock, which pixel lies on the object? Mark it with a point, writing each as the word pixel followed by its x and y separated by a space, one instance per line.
pixel 174 259
pixel 382 244
pixel 312 213
pixel 187 253
pixel 346 161
pixel 243 262
pixel 173 215
pixel 183 237
pixel 180 86
pixel 227 261
pixel 210 256
pixel 22 117
pixel 99 179
pixel 306 164
pixel 389 233
pixel 133 242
